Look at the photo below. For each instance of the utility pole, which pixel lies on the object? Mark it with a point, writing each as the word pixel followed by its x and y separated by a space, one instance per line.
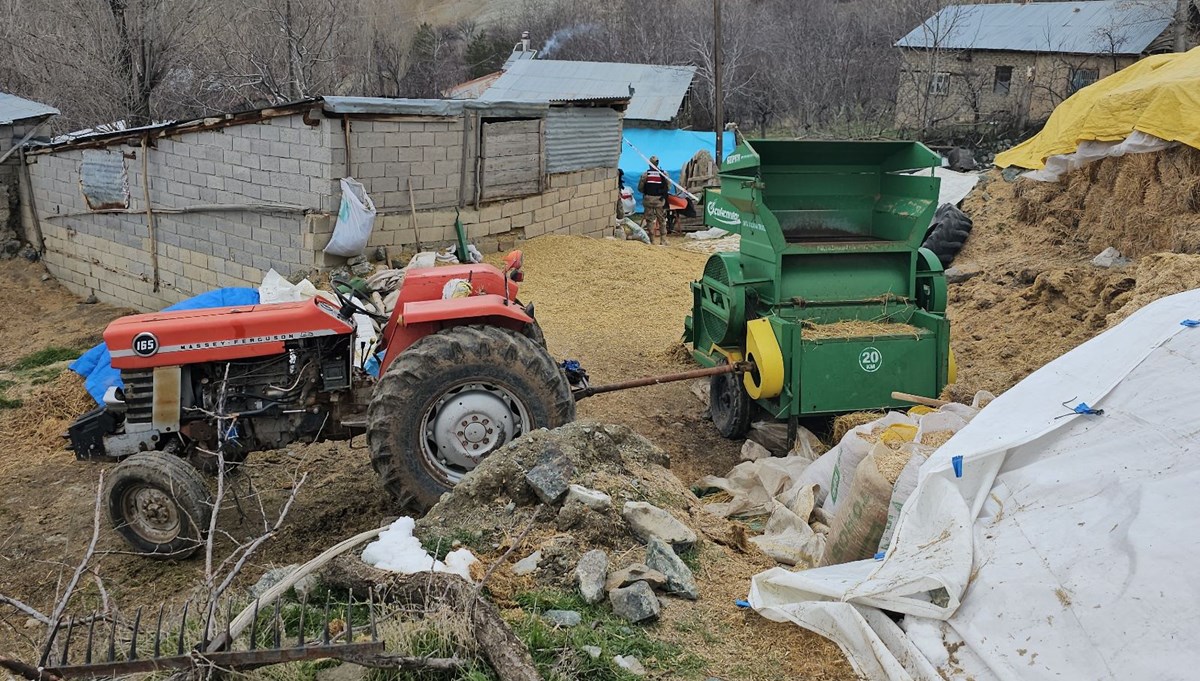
pixel 718 98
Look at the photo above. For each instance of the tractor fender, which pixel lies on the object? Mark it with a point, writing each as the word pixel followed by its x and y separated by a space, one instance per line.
pixel 419 319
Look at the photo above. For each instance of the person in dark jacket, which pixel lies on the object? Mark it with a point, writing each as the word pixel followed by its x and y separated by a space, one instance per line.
pixel 655 187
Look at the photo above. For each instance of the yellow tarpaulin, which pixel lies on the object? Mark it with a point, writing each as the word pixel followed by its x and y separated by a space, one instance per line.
pixel 1159 95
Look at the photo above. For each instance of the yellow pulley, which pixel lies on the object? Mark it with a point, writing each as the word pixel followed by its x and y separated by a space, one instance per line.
pixel 762 348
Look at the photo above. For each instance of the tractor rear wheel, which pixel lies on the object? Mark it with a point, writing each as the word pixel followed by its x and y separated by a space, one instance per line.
pixel 454 397
pixel 729 405
pixel 159 505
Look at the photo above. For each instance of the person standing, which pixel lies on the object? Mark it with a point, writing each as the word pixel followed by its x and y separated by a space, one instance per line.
pixel 655 188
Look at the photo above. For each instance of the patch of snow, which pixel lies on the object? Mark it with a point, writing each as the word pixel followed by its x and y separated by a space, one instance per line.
pixel 397 550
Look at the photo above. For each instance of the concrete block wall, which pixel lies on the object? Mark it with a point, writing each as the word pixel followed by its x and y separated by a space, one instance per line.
pixel 233 202
pixel 576 203
pixel 385 153
pixel 251 192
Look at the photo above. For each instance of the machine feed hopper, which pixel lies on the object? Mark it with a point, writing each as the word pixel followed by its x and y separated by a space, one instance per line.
pixel 830 296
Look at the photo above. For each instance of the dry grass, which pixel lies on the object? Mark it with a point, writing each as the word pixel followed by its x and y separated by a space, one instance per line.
pixel 856 328
pixel 1140 203
pixel 890 462
pixel 847 422
pixel 936 439
pixel 35 428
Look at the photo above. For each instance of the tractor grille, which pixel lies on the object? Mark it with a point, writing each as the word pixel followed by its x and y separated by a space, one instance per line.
pixel 139 396
pixel 716 326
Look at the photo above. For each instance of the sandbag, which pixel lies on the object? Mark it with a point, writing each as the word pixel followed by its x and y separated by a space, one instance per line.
pixel 818 474
pixel 853 448
pixel 906 483
pixel 355 220
pixel 859 521
pixel 773 436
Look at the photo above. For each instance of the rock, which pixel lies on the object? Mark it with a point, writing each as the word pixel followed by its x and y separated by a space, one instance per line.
pixel 32 623
pixel 593 499
pixel 593 652
pixel 46 277
pixel 91 299
pixel 30 253
pixel 680 582
pixel 638 572
pixel 636 603
pixel 510 507
pixel 362 269
pixel 551 478
pixel 956 276
pixel 343 672
pixel 339 273
pixel 563 618
pixel 356 260
pixel 12 247
pixel 1110 257
pixel 647 520
pixel 380 254
pixel 590 575
pixel 752 451
pixel 527 565
pixel 630 664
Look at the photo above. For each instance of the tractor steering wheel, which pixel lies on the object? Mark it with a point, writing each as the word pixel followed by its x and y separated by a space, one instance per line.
pixel 350 307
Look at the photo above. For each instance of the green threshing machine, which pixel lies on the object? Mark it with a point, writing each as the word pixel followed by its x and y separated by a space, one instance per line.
pixel 830 234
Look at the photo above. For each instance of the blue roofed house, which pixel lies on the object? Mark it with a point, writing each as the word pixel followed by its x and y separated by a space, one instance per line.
pixel 1014 62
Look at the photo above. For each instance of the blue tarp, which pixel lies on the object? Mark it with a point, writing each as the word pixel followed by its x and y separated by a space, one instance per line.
pixel 674 148
pixel 95 365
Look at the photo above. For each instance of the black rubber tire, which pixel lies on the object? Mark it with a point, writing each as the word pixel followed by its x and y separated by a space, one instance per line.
pixel 177 482
pixel 947 233
pixel 433 365
pixel 533 332
pixel 729 405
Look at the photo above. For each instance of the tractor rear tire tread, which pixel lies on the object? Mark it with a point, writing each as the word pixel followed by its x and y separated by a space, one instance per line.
pixel 425 370
pixel 178 480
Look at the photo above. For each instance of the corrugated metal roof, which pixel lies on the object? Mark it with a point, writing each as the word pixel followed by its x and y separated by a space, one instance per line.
pixel 14 108
pixel 658 91
pixel 1093 27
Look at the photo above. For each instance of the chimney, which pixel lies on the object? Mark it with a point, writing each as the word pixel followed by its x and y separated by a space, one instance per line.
pixel 524 41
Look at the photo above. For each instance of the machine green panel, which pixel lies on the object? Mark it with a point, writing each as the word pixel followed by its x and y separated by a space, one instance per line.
pixel 842 375
pixel 830 232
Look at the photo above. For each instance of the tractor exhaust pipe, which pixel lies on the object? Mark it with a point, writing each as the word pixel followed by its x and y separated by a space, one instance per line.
pixel 735 368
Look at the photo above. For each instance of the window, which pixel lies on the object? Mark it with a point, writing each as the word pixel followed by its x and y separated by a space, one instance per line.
pixel 939 84
pixel 1003 82
pixel 1081 78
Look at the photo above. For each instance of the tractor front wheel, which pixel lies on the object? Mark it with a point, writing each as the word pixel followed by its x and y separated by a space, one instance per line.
pixel 159 505
pixel 454 397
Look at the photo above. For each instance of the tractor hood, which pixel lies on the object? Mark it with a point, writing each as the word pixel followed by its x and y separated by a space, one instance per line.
pixel 218 334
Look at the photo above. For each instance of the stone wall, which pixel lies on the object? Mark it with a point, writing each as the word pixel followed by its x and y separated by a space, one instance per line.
pixel 1039 83
pixel 10 216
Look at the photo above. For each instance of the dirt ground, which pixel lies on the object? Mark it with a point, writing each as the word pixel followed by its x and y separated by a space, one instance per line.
pixel 618 308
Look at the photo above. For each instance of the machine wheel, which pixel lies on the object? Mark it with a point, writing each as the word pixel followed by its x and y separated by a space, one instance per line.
pixel 454 397
pixel 729 405
pixel 159 505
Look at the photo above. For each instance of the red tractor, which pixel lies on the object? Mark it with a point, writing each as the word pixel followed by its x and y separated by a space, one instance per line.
pixel 460 377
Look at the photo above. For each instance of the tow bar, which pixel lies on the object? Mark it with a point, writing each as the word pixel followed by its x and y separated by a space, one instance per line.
pixel 589 390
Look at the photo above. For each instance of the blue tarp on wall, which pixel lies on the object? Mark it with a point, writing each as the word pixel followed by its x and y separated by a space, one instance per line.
pixel 95 365
pixel 674 148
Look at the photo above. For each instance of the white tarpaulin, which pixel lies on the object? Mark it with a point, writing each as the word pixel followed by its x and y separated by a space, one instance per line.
pixel 954 186
pixel 1090 150
pixel 1066 545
